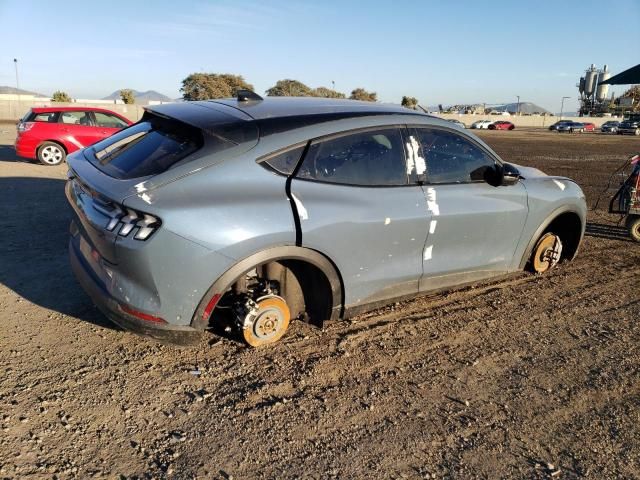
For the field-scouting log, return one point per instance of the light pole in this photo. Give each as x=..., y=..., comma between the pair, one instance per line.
x=562, y=106
x=518, y=106
x=333, y=85
x=15, y=63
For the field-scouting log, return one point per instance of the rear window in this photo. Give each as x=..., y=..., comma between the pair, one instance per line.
x=149, y=147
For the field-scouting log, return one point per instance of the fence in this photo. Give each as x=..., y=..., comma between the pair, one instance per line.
x=13, y=110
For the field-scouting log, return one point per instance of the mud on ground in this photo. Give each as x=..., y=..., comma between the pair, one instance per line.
x=530, y=377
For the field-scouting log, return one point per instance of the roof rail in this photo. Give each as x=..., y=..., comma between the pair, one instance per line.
x=244, y=95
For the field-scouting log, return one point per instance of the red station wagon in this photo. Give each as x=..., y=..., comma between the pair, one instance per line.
x=50, y=133
x=502, y=125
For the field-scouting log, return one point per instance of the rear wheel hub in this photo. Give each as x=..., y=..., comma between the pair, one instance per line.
x=267, y=322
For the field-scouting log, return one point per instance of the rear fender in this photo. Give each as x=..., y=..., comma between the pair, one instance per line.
x=226, y=280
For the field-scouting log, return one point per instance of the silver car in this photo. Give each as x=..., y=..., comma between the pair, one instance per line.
x=251, y=213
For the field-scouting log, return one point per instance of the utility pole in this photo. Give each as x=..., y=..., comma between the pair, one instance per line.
x=518, y=106
x=562, y=106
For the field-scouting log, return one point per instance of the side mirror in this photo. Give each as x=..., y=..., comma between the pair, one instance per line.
x=510, y=175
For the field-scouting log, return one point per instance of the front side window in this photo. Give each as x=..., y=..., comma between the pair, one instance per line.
x=364, y=158
x=76, y=118
x=107, y=120
x=451, y=158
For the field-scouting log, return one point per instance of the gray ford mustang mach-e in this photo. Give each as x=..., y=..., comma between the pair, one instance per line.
x=260, y=211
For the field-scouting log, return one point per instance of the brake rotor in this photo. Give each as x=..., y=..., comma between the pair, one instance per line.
x=547, y=253
x=268, y=321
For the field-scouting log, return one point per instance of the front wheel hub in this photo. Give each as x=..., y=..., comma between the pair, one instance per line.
x=547, y=253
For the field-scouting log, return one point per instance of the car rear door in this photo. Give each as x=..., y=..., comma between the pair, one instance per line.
x=106, y=124
x=77, y=130
x=475, y=226
x=356, y=204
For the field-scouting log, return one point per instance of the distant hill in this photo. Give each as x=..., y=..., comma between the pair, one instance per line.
x=16, y=91
x=141, y=97
x=526, y=108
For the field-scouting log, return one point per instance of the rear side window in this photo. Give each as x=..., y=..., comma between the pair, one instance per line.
x=284, y=162
x=76, y=118
x=365, y=158
x=49, y=117
x=149, y=147
x=451, y=158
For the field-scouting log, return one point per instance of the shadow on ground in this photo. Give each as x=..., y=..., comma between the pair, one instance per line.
x=8, y=154
x=611, y=232
x=34, y=260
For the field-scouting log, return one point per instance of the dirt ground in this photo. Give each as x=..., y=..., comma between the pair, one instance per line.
x=530, y=377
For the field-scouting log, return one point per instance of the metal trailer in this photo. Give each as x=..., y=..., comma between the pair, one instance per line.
x=626, y=201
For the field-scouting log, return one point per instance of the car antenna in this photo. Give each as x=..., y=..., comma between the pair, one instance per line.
x=244, y=95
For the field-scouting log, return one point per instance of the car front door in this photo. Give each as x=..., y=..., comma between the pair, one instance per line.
x=356, y=204
x=77, y=130
x=475, y=225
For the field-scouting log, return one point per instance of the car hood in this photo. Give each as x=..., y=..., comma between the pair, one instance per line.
x=529, y=172
x=533, y=174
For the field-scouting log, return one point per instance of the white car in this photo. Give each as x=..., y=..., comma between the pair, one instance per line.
x=481, y=124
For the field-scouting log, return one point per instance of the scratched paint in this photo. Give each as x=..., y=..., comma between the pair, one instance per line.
x=428, y=252
x=432, y=203
x=146, y=198
x=414, y=160
x=140, y=188
x=302, y=211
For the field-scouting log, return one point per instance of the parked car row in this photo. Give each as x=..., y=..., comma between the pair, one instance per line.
x=612, y=126
x=489, y=125
x=572, y=127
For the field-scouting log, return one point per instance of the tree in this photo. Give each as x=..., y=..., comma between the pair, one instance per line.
x=289, y=88
x=205, y=86
x=362, y=94
x=60, y=96
x=410, y=102
x=127, y=96
x=327, y=93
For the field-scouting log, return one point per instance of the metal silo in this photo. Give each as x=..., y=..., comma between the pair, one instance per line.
x=590, y=80
x=581, y=86
x=603, y=90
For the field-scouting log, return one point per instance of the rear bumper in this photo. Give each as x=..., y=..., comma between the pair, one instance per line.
x=25, y=148
x=166, y=333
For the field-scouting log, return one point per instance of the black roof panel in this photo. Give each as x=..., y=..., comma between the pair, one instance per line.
x=276, y=107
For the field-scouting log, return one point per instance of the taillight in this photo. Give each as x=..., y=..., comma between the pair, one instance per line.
x=124, y=221
x=128, y=220
x=24, y=126
x=141, y=315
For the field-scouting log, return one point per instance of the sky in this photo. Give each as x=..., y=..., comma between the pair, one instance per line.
x=451, y=52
